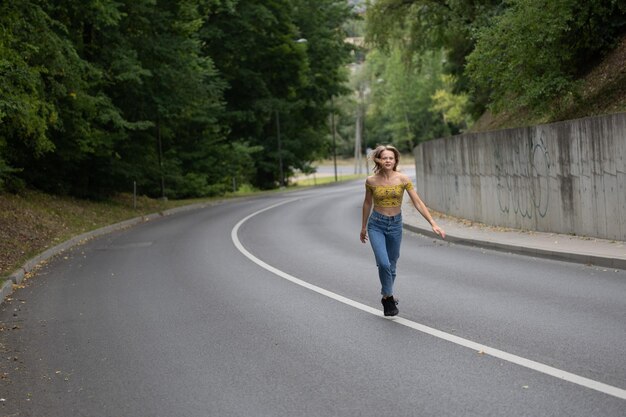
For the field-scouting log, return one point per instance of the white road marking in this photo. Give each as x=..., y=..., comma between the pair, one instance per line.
x=518, y=360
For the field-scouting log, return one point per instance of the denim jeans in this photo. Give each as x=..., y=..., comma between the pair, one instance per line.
x=385, y=235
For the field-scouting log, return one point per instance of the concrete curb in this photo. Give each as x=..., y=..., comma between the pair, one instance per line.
x=6, y=289
x=581, y=258
x=17, y=276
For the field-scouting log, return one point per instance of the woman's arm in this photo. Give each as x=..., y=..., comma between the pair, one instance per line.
x=421, y=207
x=367, y=209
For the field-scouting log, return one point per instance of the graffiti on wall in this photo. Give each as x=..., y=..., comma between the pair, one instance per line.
x=523, y=179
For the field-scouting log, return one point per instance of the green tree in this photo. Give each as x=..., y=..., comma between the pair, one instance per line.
x=402, y=109
x=167, y=93
x=182, y=96
x=452, y=106
x=24, y=110
x=254, y=47
x=418, y=26
x=322, y=24
x=535, y=51
x=277, y=82
x=55, y=118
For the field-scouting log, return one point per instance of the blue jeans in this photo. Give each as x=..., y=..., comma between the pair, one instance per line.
x=385, y=235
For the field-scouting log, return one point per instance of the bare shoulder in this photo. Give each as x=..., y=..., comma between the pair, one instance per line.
x=407, y=183
x=404, y=178
x=371, y=180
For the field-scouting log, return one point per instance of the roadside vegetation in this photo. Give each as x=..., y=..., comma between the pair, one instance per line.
x=502, y=63
x=32, y=221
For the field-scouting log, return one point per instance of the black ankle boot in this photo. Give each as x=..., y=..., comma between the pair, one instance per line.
x=389, y=305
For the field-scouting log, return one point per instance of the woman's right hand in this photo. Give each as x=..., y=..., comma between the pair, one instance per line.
x=363, y=235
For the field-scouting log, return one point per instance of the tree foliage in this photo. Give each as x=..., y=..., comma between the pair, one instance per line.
x=535, y=50
x=179, y=96
x=503, y=54
x=419, y=26
x=402, y=106
x=33, y=78
x=281, y=74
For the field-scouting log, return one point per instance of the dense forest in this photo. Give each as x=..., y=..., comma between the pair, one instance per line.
x=182, y=97
x=191, y=98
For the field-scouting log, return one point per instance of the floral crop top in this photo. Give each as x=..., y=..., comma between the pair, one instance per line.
x=389, y=195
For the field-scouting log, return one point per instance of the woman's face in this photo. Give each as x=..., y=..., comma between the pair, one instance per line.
x=387, y=159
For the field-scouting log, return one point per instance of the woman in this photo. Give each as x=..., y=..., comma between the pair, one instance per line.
x=385, y=190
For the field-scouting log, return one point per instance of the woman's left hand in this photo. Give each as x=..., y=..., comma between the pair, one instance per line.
x=439, y=231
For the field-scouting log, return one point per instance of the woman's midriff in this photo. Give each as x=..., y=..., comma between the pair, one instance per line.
x=387, y=211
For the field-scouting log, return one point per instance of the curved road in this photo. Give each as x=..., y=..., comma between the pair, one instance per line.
x=270, y=307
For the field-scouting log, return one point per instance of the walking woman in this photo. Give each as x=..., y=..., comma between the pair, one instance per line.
x=384, y=190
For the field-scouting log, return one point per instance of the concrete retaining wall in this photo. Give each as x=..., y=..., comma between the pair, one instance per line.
x=567, y=177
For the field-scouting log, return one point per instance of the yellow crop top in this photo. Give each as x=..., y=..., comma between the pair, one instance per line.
x=389, y=195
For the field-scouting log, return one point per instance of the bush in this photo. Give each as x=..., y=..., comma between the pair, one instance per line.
x=534, y=51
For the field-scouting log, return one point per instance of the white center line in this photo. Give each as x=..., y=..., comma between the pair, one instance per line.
x=518, y=360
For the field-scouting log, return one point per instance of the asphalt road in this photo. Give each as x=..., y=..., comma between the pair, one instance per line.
x=271, y=307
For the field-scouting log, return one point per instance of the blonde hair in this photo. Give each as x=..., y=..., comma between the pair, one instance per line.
x=374, y=156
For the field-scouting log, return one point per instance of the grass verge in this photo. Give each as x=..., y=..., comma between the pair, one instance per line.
x=31, y=222
x=314, y=180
